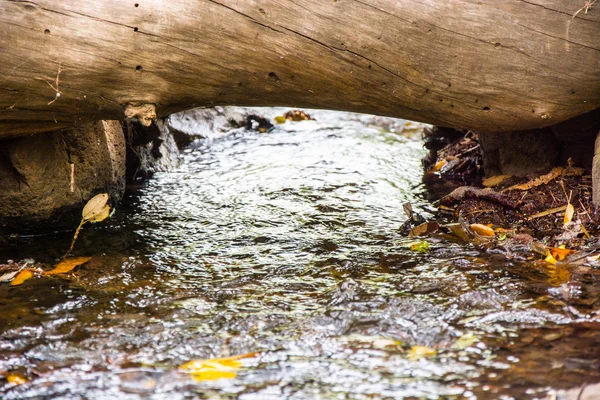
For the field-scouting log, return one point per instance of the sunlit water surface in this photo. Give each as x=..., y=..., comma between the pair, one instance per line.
x=286, y=245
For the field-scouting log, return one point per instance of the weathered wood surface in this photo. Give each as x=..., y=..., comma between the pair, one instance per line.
x=489, y=65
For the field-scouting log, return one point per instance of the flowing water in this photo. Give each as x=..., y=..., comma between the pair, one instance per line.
x=283, y=248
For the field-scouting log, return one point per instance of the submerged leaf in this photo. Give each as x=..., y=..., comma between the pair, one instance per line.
x=67, y=265
x=418, y=352
x=94, y=207
x=22, y=277
x=215, y=368
x=421, y=247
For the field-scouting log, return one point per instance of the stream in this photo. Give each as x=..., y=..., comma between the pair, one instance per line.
x=282, y=249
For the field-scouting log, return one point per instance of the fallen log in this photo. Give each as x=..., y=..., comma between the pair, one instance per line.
x=492, y=66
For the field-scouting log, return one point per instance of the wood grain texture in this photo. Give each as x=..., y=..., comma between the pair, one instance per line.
x=492, y=66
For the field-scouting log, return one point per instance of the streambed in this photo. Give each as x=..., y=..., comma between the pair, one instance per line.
x=283, y=247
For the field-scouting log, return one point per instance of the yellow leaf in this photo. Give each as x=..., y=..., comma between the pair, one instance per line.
x=483, y=230
x=67, y=265
x=418, y=352
x=495, y=180
x=215, y=368
x=94, y=207
x=22, y=277
x=102, y=215
x=550, y=259
x=569, y=213
x=280, y=119
x=16, y=379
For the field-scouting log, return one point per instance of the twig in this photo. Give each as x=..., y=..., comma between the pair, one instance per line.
x=74, y=238
x=586, y=6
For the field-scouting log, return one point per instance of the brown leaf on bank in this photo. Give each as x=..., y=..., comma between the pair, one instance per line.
x=67, y=265
x=495, y=180
x=569, y=212
x=22, y=277
x=540, y=180
x=437, y=167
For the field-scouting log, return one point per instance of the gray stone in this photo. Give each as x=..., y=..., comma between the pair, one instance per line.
x=47, y=178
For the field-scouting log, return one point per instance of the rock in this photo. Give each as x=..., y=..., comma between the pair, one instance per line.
x=150, y=149
x=519, y=153
x=47, y=178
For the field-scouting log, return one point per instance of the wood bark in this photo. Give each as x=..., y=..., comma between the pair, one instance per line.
x=499, y=65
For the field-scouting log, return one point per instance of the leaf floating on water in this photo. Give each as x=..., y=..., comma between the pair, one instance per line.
x=67, y=265
x=419, y=352
x=280, y=119
x=495, y=180
x=94, y=207
x=215, y=368
x=466, y=340
x=22, y=277
x=421, y=247
x=483, y=230
x=424, y=229
x=569, y=212
x=16, y=379
x=102, y=215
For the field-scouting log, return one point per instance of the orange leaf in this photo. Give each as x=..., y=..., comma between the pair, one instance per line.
x=560, y=253
x=67, y=265
x=437, y=166
x=483, y=230
x=16, y=379
x=22, y=277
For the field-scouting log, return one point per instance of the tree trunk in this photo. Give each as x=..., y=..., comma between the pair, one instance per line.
x=500, y=65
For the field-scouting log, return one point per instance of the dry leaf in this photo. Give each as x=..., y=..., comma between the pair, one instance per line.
x=67, y=265
x=22, y=277
x=569, y=213
x=483, y=230
x=495, y=180
x=9, y=275
x=102, y=215
x=95, y=206
x=215, y=368
x=424, y=229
